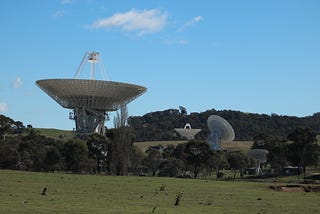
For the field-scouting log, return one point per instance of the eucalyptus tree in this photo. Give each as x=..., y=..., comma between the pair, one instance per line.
x=217, y=162
x=75, y=155
x=197, y=155
x=122, y=143
x=237, y=162
x=152, y=161
x=99, y=150
x=304, y=150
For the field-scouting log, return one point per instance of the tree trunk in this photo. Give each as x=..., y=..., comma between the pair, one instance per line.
x=298, y=171
x=195, y=172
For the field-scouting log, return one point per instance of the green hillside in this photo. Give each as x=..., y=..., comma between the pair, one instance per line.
x=160, y=125
x=55, y=133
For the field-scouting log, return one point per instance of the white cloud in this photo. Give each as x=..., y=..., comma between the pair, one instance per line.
x=3, y=107
x=58, y=14
x=194, y=20
x=191, y=22
x=17, y=83
x=143, y=22
x=182, y=42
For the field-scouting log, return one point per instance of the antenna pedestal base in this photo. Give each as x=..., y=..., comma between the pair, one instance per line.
x=89, y=121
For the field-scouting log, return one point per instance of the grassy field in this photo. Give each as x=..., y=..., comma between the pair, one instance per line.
x=56, y=133
x=20, y=192
x=230, y=146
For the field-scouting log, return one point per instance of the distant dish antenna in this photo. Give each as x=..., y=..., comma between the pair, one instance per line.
x=260, y=155
x=187, y=131
x=220, y=131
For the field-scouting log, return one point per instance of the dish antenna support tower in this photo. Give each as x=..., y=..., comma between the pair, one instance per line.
x=260, y=155
x=90, y=118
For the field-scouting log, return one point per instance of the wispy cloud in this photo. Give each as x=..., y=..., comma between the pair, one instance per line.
x=66, y=1
x=58, y=14
x=143, y=22
x=194, y=21
x=175, y=42
x=3, y=107
x=191, y=22
x=17, y=83
x=216, y=44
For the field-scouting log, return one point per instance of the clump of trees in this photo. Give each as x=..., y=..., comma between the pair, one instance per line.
x=192, y=159
x=115, y=153
x=299, y=149
x=9, y=126
x=34, y=152
x=29, y=150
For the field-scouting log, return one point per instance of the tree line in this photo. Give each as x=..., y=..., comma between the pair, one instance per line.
x=160, y=125
x=29, y=150
x=114, y=153
x=299, y=149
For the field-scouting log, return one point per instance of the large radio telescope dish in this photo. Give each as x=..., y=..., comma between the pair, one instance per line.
x=220, y=131
x=90, y=99
x=95, y=94
x=260, y=155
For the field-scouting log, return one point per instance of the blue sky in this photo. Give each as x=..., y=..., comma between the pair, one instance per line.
x=251, y=56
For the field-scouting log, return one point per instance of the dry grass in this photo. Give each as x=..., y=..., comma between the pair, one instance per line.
x=143, y=146
x=230, y=146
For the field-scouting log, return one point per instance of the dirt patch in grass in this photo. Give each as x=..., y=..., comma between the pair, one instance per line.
x=295, y=188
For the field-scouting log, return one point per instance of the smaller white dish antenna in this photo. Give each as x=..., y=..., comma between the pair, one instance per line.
x=187, y=131
x=260, y=155
x=220, y=131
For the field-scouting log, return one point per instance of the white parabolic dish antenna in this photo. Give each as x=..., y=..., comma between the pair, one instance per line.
x=90, y=99
x=220, y=131
x=260, y=155
x=187, y=131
